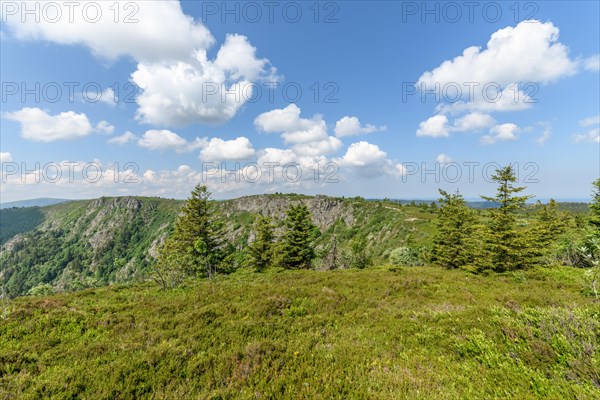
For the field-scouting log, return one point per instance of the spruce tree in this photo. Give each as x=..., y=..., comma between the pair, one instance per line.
x=297, y=249
x=453, y=243
x=551, y=223
x=260, y=252
x=197, y=241
x=508, y=248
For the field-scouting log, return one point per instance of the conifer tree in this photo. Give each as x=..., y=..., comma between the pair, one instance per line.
x=261, y=251
x=453, y=244
x=297, y=249
x=508, y=248
x=551, y=223
x=195, y=247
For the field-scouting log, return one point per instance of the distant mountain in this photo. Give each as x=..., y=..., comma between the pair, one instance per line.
x=85, y=243
x=32, y=203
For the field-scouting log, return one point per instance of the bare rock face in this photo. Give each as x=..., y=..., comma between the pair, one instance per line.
x=325, y=210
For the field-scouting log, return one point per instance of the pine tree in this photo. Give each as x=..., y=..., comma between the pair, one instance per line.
x=195, y=247
x=508, y=247
x=453, y=243
x=297, y=249
x=261, y=251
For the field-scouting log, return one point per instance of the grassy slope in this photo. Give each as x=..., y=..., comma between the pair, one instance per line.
x=416, y=333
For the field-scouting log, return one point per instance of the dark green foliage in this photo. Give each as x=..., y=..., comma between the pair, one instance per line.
x=196, y=246
x=87, y=243
x=454, y=238
x=595, y=208
x=14, y=221
x=297, y=246
x=506, y=246
x=260, y=253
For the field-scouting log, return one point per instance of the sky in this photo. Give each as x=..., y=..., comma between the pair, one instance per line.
x=350, y=98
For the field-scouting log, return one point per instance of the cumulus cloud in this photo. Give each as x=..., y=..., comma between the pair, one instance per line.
x=166, y=140
x=179, y=85
x=125, y=138
x=308, y=136
x=221, y=150
x=39, y=126
x=474, y=121
x=198, y=90
x=350, y=126
x=500, y=77
x=436, y=126
x=5, y=157
x=156, y=31
x=528, y=52
x=368, y=160
x=500, y=133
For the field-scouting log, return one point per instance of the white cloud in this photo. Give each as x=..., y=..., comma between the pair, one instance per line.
x=502, y=76
x=198, y=90
x=350, y=126
x=474, y=121
x=166, y=140
x=5, y=157
x=123, y=139
x=109, y=97
x=500, y=133
x=589, y=121
x=39, y=126
x=178, y=84
x=528, y=52
x=104, y=127
x=368, y=160
x=443, y=159
x=308, y=136
x=161, y=30
x=238, y=57
x=593, y=136
x=436, y=126
x=329, y=145
x=220, y=150
x=592, y=63
x=285, y=120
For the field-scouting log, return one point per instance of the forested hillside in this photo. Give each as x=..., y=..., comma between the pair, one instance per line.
x=92, y=243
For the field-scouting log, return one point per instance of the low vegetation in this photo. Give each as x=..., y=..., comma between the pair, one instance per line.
x=375, y=333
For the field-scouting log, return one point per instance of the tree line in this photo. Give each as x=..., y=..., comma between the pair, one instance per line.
x=494, y=240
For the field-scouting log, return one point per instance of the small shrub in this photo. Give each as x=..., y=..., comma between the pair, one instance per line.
x=409, y=256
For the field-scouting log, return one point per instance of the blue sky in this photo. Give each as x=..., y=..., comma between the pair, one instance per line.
x=359, y=119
